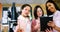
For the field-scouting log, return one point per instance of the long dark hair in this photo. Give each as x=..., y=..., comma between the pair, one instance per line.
x=49, y=12
x=35, y=11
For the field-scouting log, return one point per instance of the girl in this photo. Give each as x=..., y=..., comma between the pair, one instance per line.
x=52, y=8
x=24, y=24
x=38, y=12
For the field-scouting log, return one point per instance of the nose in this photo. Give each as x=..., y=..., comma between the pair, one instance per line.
x=27, y=12
x=48, y=8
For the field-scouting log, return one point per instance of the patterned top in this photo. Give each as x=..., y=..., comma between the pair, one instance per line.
x=35, y=22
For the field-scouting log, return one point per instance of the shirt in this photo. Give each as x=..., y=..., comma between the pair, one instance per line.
x=56, y=19
x=24, y=23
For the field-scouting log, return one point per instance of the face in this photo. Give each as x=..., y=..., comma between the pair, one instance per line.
x=39, y=12
x=26, y=11
x=51, y=7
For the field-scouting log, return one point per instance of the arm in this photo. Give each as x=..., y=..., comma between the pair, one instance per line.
x=34, y=25
x=57, y=28
x=57, y=21
x=18, y=27
x=21, y=25
x=52, y=24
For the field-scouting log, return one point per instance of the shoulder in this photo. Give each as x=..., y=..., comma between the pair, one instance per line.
x=19, y=17
x=58, y=11
x=33, y=20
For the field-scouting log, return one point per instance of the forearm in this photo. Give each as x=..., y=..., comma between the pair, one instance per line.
x=57, y=28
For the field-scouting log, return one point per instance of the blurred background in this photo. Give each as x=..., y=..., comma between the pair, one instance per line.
x=6, y=7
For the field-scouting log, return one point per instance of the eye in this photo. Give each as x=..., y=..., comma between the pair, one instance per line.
x=49, y=5
x=25, y=9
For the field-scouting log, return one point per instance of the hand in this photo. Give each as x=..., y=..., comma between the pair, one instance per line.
x=51, y=23
x=47, y=30
x=19, y=30
x=37, y=26
x=38, y=30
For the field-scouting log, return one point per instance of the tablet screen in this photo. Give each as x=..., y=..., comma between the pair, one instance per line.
x=44, y=21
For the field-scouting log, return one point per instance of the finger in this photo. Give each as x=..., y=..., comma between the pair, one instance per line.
x=50, y=29
x=47, y=29
x=49, y=24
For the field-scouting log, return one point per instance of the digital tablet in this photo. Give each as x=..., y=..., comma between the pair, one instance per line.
x=44, y=21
